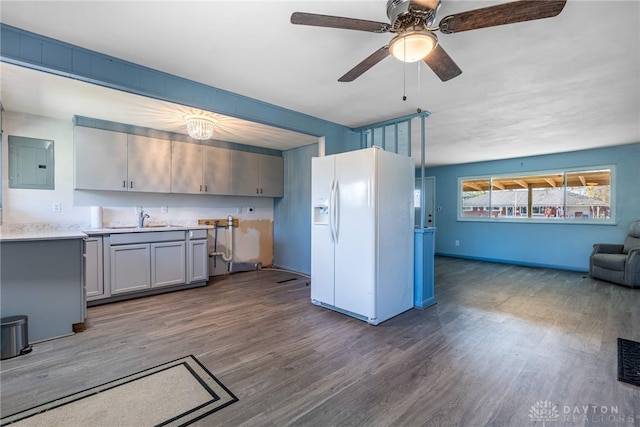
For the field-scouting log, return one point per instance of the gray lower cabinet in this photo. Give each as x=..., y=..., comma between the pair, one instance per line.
x=147, y=265
x=93, y=268
x=198, y=256
x=130, y=268
x=168, y=265
x=144, y=263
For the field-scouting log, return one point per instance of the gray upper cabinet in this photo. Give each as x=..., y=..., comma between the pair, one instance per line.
x=255, y=174
x=149, y=164
x=200, y=169
x=101, y=159
x=116, y=161
x=245, y=173
x=186, y=168
x=216, y=170
x=271, y=176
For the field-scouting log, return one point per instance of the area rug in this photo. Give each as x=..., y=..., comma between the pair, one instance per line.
x=629, y=361
x=176, y=393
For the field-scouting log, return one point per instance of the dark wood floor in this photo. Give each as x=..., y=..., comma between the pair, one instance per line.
x=501, y=339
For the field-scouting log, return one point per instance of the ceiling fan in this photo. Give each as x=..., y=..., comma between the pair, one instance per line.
x=412, y=20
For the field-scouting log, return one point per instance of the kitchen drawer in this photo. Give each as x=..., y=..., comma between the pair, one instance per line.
x=198, y=234
x=146, y=237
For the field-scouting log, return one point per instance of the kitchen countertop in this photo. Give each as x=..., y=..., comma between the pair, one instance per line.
x=27, y=235
x=152, y=228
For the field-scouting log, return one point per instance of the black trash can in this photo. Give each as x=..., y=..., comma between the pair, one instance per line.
x=14, y=337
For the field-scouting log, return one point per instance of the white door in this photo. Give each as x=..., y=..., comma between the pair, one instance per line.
x=322, y=248
x=355, y=247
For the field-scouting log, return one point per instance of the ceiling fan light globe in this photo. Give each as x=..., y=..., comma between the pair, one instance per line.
x=412, y=46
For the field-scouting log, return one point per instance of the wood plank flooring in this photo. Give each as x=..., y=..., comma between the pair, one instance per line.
x=500, y=339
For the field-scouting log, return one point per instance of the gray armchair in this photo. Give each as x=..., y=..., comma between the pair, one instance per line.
x=618, y=263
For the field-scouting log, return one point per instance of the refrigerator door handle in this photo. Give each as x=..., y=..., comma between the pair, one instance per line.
x=331, y=208
x=336, y=212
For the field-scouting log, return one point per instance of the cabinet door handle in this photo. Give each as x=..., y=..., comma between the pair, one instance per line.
x=130, y=184
x=206, y=189
x=261, y=191
x=200, y=187
x=257, y=191
x=124, y=183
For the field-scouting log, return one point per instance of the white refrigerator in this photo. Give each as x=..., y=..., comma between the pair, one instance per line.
x=362, y=233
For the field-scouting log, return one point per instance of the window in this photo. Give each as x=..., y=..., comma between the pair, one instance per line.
x=570, y=195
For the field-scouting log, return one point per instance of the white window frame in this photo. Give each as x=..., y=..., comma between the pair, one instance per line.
x=612, y=220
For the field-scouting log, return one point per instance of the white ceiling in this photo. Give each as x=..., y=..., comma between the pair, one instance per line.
x=555, y=85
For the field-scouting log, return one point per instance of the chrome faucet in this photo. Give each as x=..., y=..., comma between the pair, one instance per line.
x=141, y=219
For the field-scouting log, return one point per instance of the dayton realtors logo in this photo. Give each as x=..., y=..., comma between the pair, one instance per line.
x=546, y=412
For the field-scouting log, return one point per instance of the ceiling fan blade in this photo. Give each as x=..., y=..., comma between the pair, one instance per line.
x=507, y=13
x=315, y=20
x=369, y=62
x=442, y=64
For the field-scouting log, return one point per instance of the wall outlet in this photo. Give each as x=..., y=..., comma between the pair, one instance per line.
x=56, y=207
x=250, y=209
x=164, y=209
x=457, y=242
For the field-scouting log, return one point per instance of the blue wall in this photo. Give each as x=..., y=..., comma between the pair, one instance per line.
x=340, y=140
x=565, y=245
x=292, y=213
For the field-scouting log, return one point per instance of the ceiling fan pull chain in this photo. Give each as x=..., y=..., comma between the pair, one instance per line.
x=419, y=81
x=404, y=82
x=404, y=74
